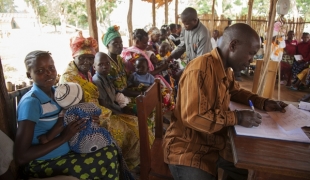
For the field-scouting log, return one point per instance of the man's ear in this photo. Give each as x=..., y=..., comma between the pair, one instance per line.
x=233, y=45
x=28, y=75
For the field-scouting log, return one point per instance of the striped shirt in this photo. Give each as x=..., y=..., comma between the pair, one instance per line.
x=36, y=106
x=197, y=135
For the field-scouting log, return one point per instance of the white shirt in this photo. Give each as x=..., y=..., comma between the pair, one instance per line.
x=214, y=42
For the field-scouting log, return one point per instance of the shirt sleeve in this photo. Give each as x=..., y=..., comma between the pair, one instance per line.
x=130, y=81
x=152, y=79
x=99, y=85
x=204, y=44
x=29, y=109
x=181, y=48
x=197, y=112
x=243, y=96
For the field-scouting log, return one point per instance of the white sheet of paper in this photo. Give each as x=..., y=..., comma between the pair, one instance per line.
x=269, y=128
x=304, y=105
x=298, y=57
x=294, y=118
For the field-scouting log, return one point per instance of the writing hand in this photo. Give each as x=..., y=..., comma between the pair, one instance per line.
x=248, y=118
x=271, y=105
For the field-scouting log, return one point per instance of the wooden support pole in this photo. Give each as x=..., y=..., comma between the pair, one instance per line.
x=250, y=4
x=262, y=77
x=212, y=27
x=166, y=11
x=7, y=122
x=176, y=15
x=154, y=13
x=129, y=22
x=91, y=16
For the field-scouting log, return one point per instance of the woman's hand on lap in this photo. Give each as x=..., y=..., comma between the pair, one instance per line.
x=96, y=119
x=72, y=128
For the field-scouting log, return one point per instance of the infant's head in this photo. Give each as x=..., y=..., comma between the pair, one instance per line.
x=164, y=49
x=68, y=94
x=141, y=66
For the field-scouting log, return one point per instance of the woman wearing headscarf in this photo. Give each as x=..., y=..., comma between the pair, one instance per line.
x=113, y=41
x=124, y=128
x=131, y=54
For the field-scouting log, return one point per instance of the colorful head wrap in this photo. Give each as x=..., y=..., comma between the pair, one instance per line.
x=111, y=34
x=80, y=45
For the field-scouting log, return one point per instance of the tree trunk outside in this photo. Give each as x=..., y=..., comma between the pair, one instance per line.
x=129, y=22
x=91, y=16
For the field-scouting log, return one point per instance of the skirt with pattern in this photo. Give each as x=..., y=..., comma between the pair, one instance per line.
x=102, y=164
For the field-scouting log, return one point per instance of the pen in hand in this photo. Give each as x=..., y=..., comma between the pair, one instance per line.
x=251, y=105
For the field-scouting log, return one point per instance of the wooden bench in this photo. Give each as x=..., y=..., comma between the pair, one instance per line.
x=152, y=165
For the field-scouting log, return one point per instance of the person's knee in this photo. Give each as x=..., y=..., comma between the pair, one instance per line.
x=232, y=171
x=180, y=172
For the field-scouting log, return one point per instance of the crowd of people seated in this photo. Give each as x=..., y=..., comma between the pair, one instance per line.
x=120, y=75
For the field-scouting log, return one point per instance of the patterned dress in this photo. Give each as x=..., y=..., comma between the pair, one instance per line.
x=118, y=74
x=123, y=128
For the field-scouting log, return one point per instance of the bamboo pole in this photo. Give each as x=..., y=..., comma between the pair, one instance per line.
x=91, y=17
x=272, y=12
x=176, y=15
x=129, y=22
x=154, y=13
x=166, y=11
x=250, y=3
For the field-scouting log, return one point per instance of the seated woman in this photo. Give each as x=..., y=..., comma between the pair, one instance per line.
x=37, y=113
x=113, y=41
x=302, y=78
x=124, y=128
x=131, y=54
x=153, y=43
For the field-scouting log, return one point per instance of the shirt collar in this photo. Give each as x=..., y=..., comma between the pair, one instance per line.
x=198, y=26
x=221, y=74
x=43, y=98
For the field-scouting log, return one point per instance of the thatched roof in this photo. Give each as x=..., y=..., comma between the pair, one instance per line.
x=158, y=3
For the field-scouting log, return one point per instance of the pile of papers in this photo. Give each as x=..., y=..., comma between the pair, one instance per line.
x=277, y=125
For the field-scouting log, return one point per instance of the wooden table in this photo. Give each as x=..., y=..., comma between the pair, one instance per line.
x=271, y=159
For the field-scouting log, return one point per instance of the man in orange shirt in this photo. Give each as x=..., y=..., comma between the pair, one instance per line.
x=196, y=142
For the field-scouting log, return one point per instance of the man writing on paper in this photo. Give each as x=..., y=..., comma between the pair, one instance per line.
x=196, y=142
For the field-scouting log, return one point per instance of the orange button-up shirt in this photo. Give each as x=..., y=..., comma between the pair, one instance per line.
x=197, y=134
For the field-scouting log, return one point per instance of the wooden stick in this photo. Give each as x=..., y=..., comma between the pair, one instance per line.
x=271, y=21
